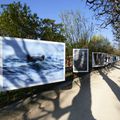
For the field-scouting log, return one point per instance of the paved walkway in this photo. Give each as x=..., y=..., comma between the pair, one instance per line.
x=95, y=97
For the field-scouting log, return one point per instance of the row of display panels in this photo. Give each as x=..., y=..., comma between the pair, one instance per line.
x=25, y=62
x=99, y=59
x=102, y=59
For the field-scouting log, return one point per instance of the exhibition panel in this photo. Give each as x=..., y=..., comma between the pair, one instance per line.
x=80, y=60
x=27, y=62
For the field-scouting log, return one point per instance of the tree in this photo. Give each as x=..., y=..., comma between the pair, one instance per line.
x=98, y=43
x=16, y=20
x=109, y=12
x=76, y=30
x=49, y=30
x=75, y=26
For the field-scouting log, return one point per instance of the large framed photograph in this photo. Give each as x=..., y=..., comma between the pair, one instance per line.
x=27, y=62
x=99, y=59
x=80, y=60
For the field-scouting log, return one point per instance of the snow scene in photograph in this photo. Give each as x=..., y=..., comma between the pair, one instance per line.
x=31, y=62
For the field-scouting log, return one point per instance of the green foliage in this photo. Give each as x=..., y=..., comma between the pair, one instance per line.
x=51, y=31
x=16, y=20
x=100, y=44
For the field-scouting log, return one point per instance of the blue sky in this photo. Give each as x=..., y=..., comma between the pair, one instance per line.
x=52, y=9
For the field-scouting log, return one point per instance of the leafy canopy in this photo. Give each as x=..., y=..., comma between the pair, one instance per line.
x=17, y=20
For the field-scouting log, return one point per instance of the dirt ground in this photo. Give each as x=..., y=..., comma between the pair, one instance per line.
x=95, y=97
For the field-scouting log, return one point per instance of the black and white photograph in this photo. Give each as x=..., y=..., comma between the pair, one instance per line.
x=28, y=62
x=99, y=59
x=80, y=60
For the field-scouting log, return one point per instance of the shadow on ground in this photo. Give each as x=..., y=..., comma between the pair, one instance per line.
x=114, y=87
x=80, y=109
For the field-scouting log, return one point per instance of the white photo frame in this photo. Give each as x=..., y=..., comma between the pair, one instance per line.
x=99, y=59
x=80, y=64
